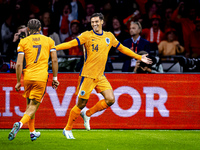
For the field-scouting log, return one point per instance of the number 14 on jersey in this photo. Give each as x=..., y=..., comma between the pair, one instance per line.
x=95, y=47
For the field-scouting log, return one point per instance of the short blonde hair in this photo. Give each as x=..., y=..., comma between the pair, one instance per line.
x=137, y=23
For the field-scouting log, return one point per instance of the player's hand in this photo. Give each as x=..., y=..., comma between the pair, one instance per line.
x=145, y=59
x=17, y=86
x=55, y=84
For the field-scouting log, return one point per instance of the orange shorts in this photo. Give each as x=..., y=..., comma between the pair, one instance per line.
x=34, y=90
x=86, y=85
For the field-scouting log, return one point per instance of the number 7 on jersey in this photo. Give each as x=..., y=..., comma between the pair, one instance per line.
x=38, y=53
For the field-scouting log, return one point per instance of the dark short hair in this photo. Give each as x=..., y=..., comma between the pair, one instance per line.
x=34, y=25
x=100, y=15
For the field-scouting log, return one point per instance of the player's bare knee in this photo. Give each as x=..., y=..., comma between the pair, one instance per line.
x=81, y=106
x=32, y=108
x=81, y=103
x=110, y=101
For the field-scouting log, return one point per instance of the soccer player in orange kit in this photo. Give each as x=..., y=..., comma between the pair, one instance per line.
x=97, y=45
x=36, y=49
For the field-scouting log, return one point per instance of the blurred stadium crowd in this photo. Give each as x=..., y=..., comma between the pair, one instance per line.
x=172, y=28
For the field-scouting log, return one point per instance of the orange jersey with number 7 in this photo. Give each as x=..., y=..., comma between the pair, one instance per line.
x=36, y=49
x=97, y=47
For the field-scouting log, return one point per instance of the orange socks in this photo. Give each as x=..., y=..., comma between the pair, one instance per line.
x=31, y=125
x=100, y=105
x=25, y=119
x=74, y=113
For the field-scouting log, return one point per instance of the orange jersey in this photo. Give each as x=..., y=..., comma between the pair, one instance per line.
x=36, y=49
x=97, y=47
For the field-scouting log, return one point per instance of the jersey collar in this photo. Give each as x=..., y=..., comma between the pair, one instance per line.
x=98, y=33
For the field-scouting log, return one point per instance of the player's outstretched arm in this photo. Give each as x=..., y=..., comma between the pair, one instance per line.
x=67, y=45
x=130, y=53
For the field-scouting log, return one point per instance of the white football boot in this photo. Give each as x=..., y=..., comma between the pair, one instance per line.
x=34, y=136
x=86, y=120
x=68, y=134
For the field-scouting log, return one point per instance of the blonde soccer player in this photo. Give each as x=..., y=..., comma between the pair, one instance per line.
x=36, y=49
x=97, y=45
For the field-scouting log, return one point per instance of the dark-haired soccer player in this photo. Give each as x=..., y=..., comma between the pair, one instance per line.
x=97, y=44
x=36, y=49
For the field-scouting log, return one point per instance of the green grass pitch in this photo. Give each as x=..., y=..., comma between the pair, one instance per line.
x=104, y=140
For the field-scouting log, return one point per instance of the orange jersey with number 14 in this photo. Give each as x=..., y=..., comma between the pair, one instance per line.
x=97, y=47
x=36, y=49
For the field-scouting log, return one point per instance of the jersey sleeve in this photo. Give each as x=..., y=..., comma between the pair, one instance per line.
x=115, y=42
x=67, y=45
x=52, y=45
x=81, y=39
x=128, y=52
x=20, y=48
